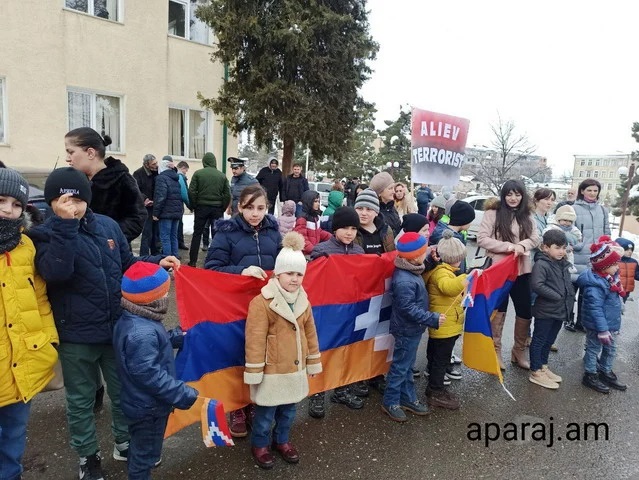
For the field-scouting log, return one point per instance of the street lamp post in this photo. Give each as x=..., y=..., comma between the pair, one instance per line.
x=626, y=193
x=391, y=165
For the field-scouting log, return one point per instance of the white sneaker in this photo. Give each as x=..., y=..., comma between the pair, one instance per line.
x=121, y=451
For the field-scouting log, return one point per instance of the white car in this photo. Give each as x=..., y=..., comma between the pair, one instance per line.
x=477, y=202
x=323, y=188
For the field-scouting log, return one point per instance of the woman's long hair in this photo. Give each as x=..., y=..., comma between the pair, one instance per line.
x=505, y=214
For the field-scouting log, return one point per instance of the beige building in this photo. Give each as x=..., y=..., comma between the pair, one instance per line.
x=604, y=169
x=117, y=66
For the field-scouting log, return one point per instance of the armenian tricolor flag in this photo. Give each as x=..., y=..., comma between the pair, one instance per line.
x=351, y=308
x=487, y=291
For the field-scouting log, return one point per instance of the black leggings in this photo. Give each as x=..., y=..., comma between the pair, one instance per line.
x=520, y=294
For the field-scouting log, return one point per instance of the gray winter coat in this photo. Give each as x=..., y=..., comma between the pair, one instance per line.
x=550, y=281
x=592, y=220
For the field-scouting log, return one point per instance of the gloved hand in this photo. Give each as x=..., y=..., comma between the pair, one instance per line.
x=254, y=271
x=605, y=337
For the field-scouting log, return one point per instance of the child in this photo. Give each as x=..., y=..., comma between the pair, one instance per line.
x=81, y=256
x=445, y=286
x=278, y=357
x=27, y=331
x=436, y=212
x=564, y=220
x=144, y=355
x=601, y=316
x=286, y=220
x=555, y=296
x=409, y=319
x=628, y=267
x=373, y=235
x=308, y=224
x=345, y=225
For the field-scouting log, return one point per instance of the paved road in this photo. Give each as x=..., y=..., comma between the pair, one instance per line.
x=366, y=444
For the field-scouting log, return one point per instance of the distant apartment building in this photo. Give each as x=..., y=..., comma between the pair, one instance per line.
x=129, y=69
x=604, y=169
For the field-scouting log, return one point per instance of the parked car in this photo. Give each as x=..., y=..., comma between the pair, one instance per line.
x=36, y=178
x=324, y=188
x=477, y=202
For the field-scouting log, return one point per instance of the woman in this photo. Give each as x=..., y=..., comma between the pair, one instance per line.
x=246, y=244
x=543, y=198
x=592, y=221
x=384, y=186
x=508, y=227
x=115, y=192
x=404, y=201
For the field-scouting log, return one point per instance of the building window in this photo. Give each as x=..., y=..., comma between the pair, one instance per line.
x=597, y=162
x=98, y=8
x=610, y=186
x=590, y=163
x=3, y=112
x=582, y=162
x=103, y=113
x=581, y=174
x=595, y=174
x=183, y=22
x=188, y=131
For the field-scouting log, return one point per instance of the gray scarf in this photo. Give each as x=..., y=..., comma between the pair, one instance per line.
x=154, y=310
x=10, y=233
x=404, y=264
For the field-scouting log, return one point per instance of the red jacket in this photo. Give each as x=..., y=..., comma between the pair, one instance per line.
x=628, y=273
x=312, y=233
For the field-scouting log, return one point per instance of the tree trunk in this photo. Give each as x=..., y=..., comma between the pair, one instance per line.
x=287, y=157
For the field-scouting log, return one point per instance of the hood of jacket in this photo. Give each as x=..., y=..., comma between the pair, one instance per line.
x=288, y=207
x=109, y=176
x=172, y=174
x=308, y=198
x=237, y=224
x=208, y=160
x=335, y=199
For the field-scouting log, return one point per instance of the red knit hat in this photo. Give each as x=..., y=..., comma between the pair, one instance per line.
x=144, y=283
x=411, y=245
x=603, y=256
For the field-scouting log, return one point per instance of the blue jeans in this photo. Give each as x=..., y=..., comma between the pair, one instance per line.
x=545, y=334
x=145, y=446
x=169, y=235
x=13, y=438
x=149, y=239
x=400, y=386
x=598, y=356
x=282, y=415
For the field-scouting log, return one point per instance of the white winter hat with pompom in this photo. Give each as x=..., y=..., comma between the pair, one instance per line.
x=291, y=258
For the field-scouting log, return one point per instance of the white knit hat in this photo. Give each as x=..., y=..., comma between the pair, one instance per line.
x=565, y=212
x=291, y=258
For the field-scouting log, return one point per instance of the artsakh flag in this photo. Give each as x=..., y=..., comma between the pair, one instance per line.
x=488, y=291
x=351, y=308
x=215, y=429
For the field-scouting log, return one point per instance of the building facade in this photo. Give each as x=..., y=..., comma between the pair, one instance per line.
x=604, y=169
x=129, y=69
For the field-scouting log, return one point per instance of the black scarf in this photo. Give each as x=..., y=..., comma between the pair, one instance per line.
x=10, y=233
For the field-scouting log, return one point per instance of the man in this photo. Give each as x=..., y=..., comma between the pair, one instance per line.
x=239, y=181
x=571, y=196
x=271, y=179
x=209, y=195
x=350, y=191
x=145, y=177
x=294, y=186
x=183, y=169
x=424, y=197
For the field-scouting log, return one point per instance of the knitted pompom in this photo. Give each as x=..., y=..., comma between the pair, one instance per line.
x=604, y=239
x=293, y=240
x=447, y=234
x=595, y=247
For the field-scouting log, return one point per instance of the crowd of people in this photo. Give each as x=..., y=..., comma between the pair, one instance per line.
x=73, y=292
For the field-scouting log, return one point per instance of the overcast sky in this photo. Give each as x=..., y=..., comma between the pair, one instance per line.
x=565, y=71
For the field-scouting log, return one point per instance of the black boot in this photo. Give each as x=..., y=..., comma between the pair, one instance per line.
x=316, y=405
x=591, y=380
x=344, y=396
x=378, y=383
x=611, y=380
x=359, y=389
x=99, y=399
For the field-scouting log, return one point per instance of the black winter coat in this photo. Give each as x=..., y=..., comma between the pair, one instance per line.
x=167, y=202
x=116, y=195
x=294, y=188
x=390, y=216
x=550, y=282
x=271, y=180
x=146, y=182
x=82, y=262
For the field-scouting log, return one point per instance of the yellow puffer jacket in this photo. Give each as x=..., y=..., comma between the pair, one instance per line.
x=27, y=330
x=443, y=289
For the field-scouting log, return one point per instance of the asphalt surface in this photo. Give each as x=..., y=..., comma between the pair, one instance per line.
x=362, y=444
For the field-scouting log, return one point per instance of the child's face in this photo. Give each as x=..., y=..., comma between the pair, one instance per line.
x=366, y=216
x=10, y=207
x=255, y=212
x=555, y=252
x=612, y=269
x=627, y=253
x=316, y=204
x=419, y=260
x=69, y=207
x=565, y=223
x=346, y=235
x=290, y=281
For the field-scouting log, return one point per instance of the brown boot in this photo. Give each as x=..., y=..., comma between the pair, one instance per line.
x=519, y=348
x=497, y=327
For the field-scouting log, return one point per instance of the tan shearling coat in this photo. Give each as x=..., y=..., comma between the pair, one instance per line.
x=281, y=348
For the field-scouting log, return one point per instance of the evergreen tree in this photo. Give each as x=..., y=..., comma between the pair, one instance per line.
x=295, y=68
x=396, y=139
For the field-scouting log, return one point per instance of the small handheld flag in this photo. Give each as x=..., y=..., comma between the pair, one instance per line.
x=469, y=299
x=215, y=429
